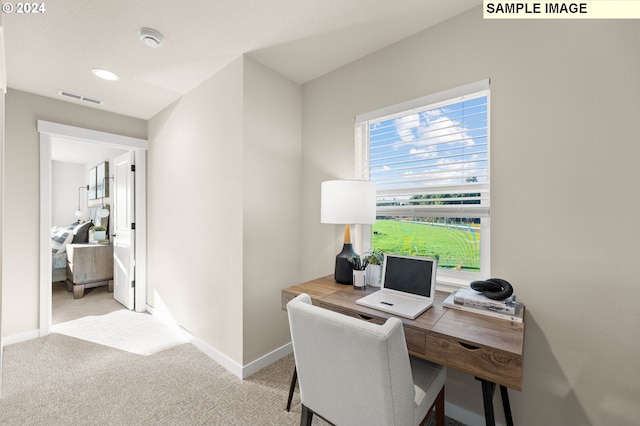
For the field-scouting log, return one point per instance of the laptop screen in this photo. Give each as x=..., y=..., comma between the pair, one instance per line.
x=409, y=274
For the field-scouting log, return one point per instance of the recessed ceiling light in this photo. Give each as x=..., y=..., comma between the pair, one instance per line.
x=150, y=37
x=105, y=74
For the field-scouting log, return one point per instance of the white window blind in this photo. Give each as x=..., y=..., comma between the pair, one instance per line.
x=431, y=160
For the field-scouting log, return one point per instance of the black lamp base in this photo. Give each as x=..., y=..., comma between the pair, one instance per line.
x=344, y=272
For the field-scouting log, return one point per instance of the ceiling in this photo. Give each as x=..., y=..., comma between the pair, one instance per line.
x=301, y=39
x=71, y=151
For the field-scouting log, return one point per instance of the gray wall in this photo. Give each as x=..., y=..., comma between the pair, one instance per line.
x=564, y=165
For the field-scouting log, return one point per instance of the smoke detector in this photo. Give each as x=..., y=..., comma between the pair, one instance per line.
x=150, y=37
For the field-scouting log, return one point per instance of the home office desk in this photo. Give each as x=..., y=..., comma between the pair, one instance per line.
x=489, y=349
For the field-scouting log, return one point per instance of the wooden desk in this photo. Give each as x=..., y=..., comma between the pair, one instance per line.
x=490, y=349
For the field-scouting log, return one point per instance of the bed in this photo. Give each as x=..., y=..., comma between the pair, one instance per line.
x=76, y=233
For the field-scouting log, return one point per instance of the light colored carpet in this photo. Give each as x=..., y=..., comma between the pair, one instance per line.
x=129, y=331
x=61, y=380
x=96, y=301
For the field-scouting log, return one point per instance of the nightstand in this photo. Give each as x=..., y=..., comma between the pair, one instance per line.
x=89, y=265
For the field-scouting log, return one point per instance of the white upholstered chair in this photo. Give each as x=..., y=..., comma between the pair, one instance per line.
x=352, y=372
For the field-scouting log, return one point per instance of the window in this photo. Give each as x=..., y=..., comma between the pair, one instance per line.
x=430, y=161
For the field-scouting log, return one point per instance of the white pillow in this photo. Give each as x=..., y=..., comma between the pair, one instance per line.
x=59, y=239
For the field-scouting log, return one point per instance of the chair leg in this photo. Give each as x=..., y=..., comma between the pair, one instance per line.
x=440, y=408
x=438, y=405
x=292, y=388
x=306, y=416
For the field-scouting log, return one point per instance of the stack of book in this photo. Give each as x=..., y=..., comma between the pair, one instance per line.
x=467, y=299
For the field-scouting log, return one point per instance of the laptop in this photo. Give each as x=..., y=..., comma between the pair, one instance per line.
x=408, y=286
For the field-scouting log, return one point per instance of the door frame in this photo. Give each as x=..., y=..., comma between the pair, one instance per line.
x=48, y=131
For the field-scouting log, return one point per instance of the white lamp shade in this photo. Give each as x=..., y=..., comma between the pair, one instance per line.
x=348, y=202
x=102, y=212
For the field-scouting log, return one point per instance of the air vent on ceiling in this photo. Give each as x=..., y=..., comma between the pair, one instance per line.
x=79, y=97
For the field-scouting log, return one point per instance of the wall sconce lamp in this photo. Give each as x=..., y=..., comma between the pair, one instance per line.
x=347, y=202
x=103, y=212
x=79, y=212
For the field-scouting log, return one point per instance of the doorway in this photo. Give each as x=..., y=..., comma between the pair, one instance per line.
x=50, y=131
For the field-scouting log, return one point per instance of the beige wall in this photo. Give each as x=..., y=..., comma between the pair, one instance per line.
x=20, y=285
x=271, y=210
x=565, y=101
x=223, y=197
x=194, y=205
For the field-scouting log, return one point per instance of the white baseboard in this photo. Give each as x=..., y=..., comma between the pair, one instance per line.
x=232, y=366
x=266, y=360
x=162, y=313
x=240, y=371
x=19, y=338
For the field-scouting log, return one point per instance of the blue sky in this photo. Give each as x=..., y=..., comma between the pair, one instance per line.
x=444, y=145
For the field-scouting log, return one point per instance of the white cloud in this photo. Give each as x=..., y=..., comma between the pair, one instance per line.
x=430, y=128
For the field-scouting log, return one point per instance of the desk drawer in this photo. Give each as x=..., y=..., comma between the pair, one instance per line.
x=416, y=340
x=354, y=314
x=497, y=367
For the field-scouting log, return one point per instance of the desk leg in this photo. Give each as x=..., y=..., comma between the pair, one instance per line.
x=506, y=405
x=487, y=398
x=488, y=388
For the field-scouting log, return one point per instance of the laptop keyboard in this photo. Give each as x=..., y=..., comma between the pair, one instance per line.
x=397, y=299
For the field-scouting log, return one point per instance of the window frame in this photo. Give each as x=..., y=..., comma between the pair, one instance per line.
x=445, y=277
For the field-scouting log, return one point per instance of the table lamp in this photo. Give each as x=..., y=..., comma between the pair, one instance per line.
x=347, y=202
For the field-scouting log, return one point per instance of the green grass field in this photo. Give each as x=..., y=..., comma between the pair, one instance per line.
x=455, y=248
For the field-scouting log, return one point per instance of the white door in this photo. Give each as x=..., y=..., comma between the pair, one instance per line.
x=123, y=230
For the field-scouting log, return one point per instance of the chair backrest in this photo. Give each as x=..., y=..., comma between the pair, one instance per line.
x=351, y=372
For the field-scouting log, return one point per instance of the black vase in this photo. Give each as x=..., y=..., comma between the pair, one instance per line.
x=344, y=272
